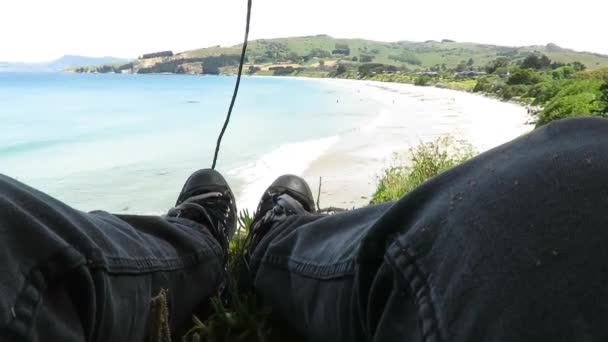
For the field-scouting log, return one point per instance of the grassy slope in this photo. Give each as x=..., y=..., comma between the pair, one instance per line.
x=429, y=53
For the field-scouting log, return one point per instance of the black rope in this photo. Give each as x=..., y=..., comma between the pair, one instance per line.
x=236, y=87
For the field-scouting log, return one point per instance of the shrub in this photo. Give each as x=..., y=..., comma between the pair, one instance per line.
x=488, y=84
x=518, y=90
x=427, y=160
x=524, y=76
x=544, y=91
x=563, y=73
x=422, y=81
x=576, y=98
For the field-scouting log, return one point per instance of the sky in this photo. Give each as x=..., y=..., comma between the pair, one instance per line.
x=43, y=30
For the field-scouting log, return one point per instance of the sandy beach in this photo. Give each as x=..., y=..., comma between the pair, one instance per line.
x=407, y=115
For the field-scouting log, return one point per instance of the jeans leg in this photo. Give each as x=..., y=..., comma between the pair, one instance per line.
x=305, y=268
x=66, y=275
x=509, y=246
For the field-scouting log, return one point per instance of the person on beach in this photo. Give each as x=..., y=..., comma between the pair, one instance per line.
x=509, y=246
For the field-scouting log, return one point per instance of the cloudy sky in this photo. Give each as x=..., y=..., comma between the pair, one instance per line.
x=40, y=30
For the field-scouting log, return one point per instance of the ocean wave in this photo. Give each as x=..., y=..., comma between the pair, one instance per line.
x=383, y=118
x=30, y=146
x=293, y=158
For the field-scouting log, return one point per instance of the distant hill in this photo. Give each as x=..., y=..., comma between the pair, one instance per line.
x=63, y=63
x=325, y=51
x=72, y=61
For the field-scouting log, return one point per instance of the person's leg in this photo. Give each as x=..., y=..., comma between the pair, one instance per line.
x=74, y=276
x=509, y=246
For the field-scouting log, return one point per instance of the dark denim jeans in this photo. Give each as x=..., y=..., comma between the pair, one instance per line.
x=69, y=276
x=510, y=246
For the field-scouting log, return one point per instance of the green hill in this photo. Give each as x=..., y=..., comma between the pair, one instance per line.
x=323, y=52
x=415, y=55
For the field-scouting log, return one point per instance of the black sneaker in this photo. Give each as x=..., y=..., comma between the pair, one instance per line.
x=206, y=198
x=286, y=196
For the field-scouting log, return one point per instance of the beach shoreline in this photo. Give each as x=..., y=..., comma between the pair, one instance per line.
x=407, y=115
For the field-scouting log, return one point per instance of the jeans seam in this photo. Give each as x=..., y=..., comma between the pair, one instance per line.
x=403, y=259
x=28, y=299
x=120, y=265
x=327, y=271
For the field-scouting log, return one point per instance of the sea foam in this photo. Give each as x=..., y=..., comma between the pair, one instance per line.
x=293, y=158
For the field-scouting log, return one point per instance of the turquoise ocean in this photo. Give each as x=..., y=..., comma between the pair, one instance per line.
x=126, y=143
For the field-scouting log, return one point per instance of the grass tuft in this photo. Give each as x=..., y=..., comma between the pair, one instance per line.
x=427, y=160
x=238, y=316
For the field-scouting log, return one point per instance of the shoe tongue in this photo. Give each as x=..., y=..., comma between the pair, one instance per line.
x=195, y=192
x=288, y=202
x=204, y=196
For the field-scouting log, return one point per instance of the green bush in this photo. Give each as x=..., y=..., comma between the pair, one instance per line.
x=375, y=68
x=427, y=160
x=524, y=76
x=536, y=62
x=543, y=92
x=604, y=98
x=598, y=74
x=517, y=90
x=488, y=84
x=563, y=73
x=576, y=98
x=493, y=66
x=422, y=81
x=583, y=104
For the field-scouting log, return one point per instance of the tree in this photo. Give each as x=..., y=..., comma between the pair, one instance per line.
x=341, y=49
x=294, y=57
x=355, y=59
x=496, y=64
x=556, y=65
x=536, y=62
x=563, y=73
x=375, y=68
x=462, y=66
x=341, y=69
x=578, y=66
x=471, y=62
x=524, y=76
x=320, y=53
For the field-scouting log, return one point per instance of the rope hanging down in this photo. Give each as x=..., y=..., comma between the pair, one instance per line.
x=236, y=87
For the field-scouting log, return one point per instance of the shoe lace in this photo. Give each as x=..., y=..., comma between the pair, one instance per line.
x=282, y=206
x=214, y=207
